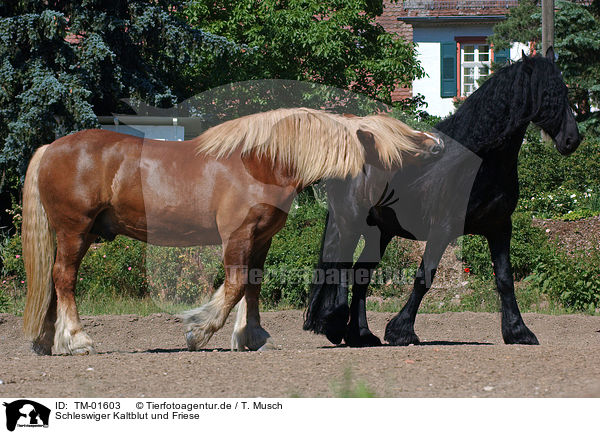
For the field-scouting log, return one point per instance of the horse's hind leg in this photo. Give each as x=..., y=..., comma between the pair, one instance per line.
x=69, y=336
x=328, y=311
x=514, y=330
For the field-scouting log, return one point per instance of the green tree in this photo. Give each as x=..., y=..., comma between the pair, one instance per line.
x=577, y=43
x=331, y=42
x=64, y=62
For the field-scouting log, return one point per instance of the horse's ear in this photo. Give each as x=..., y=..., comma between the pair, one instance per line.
x=550, y=54
x=527, y=62
x=367, y=139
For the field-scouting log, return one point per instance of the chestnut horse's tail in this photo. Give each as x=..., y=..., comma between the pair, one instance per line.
x=39, y=247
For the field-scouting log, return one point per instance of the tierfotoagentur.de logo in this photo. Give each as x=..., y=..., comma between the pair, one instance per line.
x=24, y=413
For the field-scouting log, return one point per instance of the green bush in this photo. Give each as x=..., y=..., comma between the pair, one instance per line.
x=396, y=269
x=553, y=185
x=4, y=300
x=294, y=253
x=184, y=275
x=528, y=245
x=559, y=203
x=12, y=259
x=574, y=281
x=114, y=268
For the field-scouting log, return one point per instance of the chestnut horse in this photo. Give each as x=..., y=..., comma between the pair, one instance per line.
x=233, y=185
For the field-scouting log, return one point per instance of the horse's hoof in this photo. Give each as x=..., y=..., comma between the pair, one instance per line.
x=335, y=336
x=190, y=339
x=520, y=335
x=399, y=332
x=83, y=351
x=362, y=339
x=40, y=349
x=403, y=340
x=332, y=324
x=268, y=346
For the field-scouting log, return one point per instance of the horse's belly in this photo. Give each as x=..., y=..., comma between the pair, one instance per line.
x=179, y=228
x=184, y=238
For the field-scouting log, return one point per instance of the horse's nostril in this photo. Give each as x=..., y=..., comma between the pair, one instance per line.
x=437, y=149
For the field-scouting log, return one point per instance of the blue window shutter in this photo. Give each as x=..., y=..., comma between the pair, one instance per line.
x=448, y=72
x=501, y=56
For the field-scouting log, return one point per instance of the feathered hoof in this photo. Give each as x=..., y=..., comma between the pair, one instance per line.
x=364, y=338
x=41, y=348
x=252, y=338
x=400, y=332
x=332, y=324
x=79, y=344
x=519, y=335
x=197, y=338
x=402, y=340
x=83, y=351
x=268, y=346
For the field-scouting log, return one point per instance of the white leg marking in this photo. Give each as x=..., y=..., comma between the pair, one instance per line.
x=238, y=337
x=69, y=337
x=248, y=333
x=201, y=323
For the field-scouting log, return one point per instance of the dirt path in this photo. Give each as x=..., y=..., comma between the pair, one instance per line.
x=464, y=356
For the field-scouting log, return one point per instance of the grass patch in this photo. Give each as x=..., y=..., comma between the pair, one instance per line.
x=349, y=387
x=479, y=295
x=123, y=305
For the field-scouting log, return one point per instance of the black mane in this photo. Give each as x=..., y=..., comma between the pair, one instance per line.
x=504, y=104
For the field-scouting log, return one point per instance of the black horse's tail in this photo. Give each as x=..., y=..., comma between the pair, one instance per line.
x=327, y=312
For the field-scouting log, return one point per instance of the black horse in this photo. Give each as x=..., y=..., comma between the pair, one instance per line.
x=472, y=189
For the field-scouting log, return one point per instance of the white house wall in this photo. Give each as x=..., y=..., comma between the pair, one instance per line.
x=428, y=41
x=428, y=54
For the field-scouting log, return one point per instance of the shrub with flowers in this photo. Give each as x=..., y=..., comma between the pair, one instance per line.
x=561, y=203
x=114, y=268
x=183, y=275
x=12, y=260
x=552, y=185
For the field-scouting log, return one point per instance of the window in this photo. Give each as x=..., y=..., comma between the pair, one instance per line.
x=475, y=64
x=464, y=61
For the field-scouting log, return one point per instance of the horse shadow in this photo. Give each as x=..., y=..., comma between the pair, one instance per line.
x=421, y=344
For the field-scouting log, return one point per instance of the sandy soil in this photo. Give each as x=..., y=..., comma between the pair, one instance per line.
x=462, y=356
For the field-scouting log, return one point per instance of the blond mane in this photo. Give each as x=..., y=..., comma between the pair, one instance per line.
x=393, y=138
x=315, y=144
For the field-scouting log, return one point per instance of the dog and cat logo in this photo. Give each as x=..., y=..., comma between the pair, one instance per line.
x=25, y=413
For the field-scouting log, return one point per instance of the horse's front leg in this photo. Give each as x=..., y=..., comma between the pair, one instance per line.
x=514, y=330
x=248, y=332
x=203, y=322
x=358, y=333
x=244, y=254
x=401, y=329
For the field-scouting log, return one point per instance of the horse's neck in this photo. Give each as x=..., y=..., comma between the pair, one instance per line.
x=485, y=129
x=487, y=139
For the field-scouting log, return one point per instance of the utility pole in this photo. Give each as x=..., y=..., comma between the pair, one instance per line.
x=547, y=39
x=547, y=25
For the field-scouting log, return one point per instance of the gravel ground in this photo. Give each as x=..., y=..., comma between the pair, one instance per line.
x=462, y=356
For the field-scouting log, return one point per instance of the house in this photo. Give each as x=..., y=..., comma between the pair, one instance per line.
x=451, y=43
